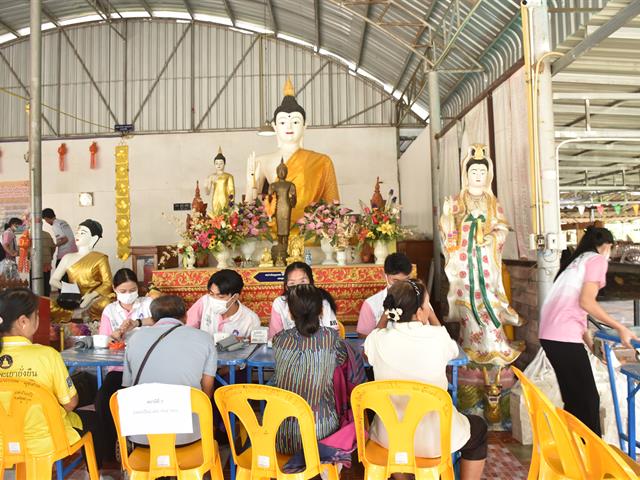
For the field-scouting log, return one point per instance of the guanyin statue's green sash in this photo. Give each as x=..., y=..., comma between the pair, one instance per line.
x=472, y=285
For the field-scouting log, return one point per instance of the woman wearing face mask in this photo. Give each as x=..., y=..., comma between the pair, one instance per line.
x=299, y=273
x=9, y=249
x=128, y=312
x=220, y=311
x=563, y=324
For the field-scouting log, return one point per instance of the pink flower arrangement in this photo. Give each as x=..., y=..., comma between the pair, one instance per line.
x=328, y=221
x=253, y=221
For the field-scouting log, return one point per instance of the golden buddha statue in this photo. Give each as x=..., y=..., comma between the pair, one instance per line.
x=311, y=172
x=87, y=269
x=220, y=185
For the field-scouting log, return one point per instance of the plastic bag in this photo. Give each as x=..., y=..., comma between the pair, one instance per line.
x=9, y=269
x=543, y=376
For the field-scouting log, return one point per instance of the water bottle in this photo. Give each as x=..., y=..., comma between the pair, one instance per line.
x=307, y=256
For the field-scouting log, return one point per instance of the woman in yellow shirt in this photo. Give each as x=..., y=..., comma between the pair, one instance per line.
x=22, y=360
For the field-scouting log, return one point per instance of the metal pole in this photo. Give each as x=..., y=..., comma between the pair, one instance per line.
x=435, y=125
x=549, y=255
x=35, y=149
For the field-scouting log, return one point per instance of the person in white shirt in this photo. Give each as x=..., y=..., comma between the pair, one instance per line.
x=410, y=344
x=397, y=266
x=119, y=319
x=220, y=311
x=65, y=239
x=299, y=273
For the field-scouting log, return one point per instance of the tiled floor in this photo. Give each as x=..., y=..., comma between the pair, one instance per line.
x=507, y=460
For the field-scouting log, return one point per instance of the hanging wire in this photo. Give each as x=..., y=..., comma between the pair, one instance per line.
x=75, y=117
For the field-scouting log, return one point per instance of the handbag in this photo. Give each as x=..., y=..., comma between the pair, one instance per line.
x=69, y=301
x=229, y=344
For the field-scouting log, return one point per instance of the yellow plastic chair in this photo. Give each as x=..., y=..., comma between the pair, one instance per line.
x=341, y=330
x=554, y=455
x=260, y=460
x=23, y=396
x=600, y=460
x=379, y=462
x=189, y=462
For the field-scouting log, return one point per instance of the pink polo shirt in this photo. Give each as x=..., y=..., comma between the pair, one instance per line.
x=561, y=318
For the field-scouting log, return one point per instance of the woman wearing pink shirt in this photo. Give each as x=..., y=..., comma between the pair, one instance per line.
x=563, y=324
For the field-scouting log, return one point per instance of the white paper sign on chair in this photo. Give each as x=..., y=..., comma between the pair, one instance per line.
x=155, y=408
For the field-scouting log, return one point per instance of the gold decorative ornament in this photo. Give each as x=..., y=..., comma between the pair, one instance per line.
x=123, y=203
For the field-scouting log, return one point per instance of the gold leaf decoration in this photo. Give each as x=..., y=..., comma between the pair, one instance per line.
x=123, y=204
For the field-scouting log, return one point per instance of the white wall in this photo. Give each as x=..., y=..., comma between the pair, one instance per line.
x=415, y=185
x=164, y=170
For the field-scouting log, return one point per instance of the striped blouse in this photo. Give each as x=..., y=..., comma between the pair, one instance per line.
x=305, y=365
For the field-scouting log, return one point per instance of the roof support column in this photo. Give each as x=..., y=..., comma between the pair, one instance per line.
x=435, y=125
x=546, y=171
x=35, y=149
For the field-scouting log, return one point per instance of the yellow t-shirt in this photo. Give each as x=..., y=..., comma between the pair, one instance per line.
x=22, y=360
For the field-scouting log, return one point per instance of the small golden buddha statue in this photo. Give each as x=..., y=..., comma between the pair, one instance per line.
x=265, y=259
x=220, y=185
x=296, y=249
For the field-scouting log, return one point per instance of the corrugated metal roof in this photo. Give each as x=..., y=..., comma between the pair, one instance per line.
x=491, y=37
x=596, y=170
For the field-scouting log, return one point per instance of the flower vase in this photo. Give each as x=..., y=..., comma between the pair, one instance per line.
x=223, y=257
x=341, y=256
x=328, y=250
x=380, y=251
x=202, y=259
x=189, y=260
x=248, y=248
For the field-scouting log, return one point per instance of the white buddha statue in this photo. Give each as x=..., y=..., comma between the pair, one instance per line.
x=311, y=172
x=86, y=268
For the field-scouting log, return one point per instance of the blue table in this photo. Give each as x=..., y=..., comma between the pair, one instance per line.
x=263, y=358
x=610, y=338
x=97, y=358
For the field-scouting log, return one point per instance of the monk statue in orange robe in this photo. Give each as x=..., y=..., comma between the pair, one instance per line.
x=311, y=172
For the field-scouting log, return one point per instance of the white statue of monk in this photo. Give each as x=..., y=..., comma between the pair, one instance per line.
x=88, y=269
x=311, y=172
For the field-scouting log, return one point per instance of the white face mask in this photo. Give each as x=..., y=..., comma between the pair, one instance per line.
x=127, y=298
x=218, y=306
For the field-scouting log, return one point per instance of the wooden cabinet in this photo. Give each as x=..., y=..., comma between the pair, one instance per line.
x=144, y=260
x=420, y=252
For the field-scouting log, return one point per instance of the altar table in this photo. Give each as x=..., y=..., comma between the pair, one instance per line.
x=349, y=285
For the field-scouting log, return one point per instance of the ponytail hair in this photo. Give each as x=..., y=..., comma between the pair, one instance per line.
x=403, y=300
x=14, y=303
x=305, y=305
x=593, y=238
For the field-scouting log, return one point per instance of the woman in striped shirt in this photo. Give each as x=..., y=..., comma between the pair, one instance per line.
x=306, y=358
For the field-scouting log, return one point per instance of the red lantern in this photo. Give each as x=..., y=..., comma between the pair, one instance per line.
x=62, y=152
x=93, y=149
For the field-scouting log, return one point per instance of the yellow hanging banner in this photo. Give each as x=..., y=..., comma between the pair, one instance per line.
x=123, y=204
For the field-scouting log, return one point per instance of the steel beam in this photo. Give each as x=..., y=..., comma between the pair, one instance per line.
x=597, y=110
x=602, y=147
x=316, y=17
x=162, y=70
x=435, y=125
x=596, y=96
x=230, y=14
x=147, y=7
x=105, y=16
x=187, y=6
x=313, y=75
x=597, y=79
x=227, y=81
x=9, y=28
x=364, y=110
x=603, y=32
x=272, y=14
x=586, y=160
x=363, y=37
x=596, y=133
x=596, y=188
x=24, y=89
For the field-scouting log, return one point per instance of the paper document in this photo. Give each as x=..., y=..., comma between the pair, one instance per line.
x=69, y=288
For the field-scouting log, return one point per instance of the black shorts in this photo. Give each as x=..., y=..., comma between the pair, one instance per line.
x=476, y=446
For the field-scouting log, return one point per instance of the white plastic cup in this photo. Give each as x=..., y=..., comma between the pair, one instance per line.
x=100, y=341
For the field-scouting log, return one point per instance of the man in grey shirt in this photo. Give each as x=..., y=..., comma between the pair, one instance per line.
x=185, y=356
x=65, y=239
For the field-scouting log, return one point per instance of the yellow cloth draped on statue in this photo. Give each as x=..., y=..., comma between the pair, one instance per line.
x=92, y=274
x=314, y=177
x=223, y=187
